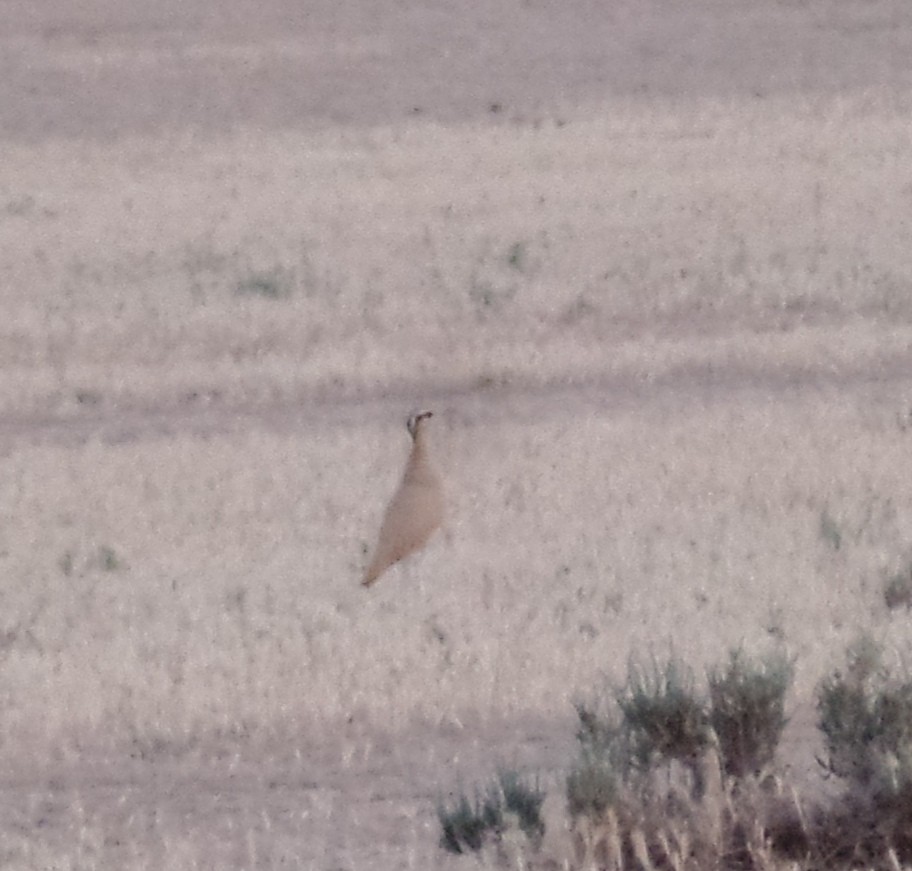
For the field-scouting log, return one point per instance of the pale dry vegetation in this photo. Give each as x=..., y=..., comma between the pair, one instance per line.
x=709, y=235
x=667, y=344
x=234, y=559
x=230, y=623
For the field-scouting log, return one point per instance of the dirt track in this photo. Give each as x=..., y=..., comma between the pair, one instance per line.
x=118, y=69
x=701, y=384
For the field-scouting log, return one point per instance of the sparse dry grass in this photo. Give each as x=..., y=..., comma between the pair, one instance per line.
x=707, y=234
x=573, y=540
x=668, y=344
x=234, y=616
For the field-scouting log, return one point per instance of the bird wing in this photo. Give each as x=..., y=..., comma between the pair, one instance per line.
x=413, y=515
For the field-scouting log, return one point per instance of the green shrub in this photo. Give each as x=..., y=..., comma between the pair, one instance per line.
x=747, y=703
x=592, y=787
x=594, y=783
x=629, y=810
x=663, y=715
x=866, y=719
x=525, y=801
x=598, y=733
x=467, y=826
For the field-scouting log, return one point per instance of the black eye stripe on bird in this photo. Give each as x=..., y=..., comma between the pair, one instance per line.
x=416, y=510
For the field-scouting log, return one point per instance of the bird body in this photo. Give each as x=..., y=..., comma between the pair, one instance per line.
x=415, y=511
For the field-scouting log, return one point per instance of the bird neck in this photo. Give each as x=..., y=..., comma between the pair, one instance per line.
x=419, y=467
x=419, y=450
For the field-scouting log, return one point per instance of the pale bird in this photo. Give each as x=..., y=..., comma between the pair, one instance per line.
x=416, y=509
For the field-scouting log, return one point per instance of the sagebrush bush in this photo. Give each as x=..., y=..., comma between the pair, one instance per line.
x=598, y=732
x=464, y=826
x=630, y=808
x=593, y=786
x=525, y=801
x=866, y=719
x=664, y=717
x=594, y=783
x=747, y=710
x=468, y=825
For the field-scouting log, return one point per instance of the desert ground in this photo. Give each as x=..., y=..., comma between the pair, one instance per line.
x=650, y=265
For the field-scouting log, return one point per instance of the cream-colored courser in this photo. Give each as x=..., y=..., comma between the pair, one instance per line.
x=416, y=510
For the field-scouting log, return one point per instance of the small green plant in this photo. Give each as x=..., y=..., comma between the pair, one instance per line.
x=490, y=296
x=747, y=704
x=898, y=589
x=66, y=563
x=516, y=256
x=88, y=397
x=108, y=560
x=467, y=825
x=829, y=530
x=274, y=283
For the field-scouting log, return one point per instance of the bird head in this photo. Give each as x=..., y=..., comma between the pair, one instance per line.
x=414, y=421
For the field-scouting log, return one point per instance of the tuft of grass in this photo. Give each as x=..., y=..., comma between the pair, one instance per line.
x=489, y=296
x=467, y=826
x=829, y=530
x=108, y=560
x=276, y=283
x=898, y=590
x=747, y=710
x=516, y=256
x=525, y=801
x=66, y=564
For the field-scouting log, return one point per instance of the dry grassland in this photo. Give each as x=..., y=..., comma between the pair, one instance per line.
x=668, y=345
x=702, y=234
